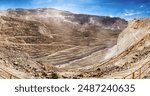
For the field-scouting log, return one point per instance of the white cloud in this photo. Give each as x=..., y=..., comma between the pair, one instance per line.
x=141, y=6
x=68, y=5
x=131, y=12
x=111, y=16
x=41, y=3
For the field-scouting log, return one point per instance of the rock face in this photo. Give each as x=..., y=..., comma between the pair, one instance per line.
x=50, y=43
x=130, y=58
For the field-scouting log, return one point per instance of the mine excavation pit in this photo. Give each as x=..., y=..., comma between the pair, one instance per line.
x=71, y=46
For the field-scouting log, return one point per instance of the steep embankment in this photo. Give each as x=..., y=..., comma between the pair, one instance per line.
x=130, y=58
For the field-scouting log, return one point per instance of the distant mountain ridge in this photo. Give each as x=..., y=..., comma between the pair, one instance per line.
x=114, y=22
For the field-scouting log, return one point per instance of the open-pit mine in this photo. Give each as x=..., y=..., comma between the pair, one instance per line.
x=47, y=43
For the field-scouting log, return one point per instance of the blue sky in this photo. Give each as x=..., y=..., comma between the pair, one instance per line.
x=117, y=8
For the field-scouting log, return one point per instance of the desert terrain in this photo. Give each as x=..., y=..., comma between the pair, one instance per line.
x=47, y=43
